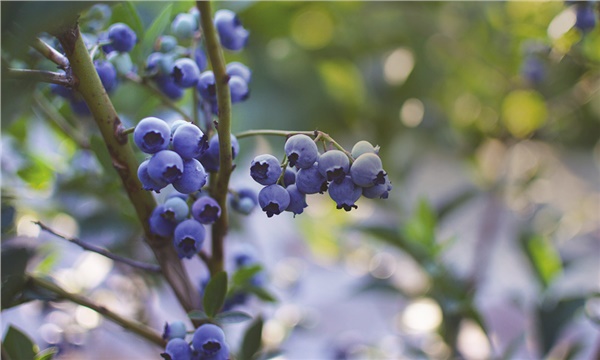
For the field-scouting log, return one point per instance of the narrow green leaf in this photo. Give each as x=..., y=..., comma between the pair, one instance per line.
x=214, y=294
x=197, y=315
x=157, y=27
x=134, y=19
x=544, y=258
x=18, y=345
x=14, y=261
x=252, y=340
x=47, y=354
x=261, y=293
x=232, y=317
x=243, y=275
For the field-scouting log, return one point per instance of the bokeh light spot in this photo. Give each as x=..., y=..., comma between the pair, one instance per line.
x=411, y=113
x=398, y=65
x=312, y=29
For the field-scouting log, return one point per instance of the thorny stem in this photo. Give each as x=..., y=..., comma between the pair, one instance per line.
x=50, y=53
x=42, y=75
x=221, y=184
x=131, y=325
x=86, y=246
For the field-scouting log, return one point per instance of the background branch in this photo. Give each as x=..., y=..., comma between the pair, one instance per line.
x=41, y=75
x=50, y=53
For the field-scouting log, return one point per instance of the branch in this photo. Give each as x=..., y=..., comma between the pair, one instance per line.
x=131, y=325
x=50, y=53
x=102, y=251
x=42, y=76
x=126, y=164
x=221, y=185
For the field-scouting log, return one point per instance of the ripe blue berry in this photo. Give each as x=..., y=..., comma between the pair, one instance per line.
x=345, y=193
x=200, y=58
x=162, y=221
x=310, y=180
x=166, y=43
x=79, y=106
x=192, y=179
x=61, y=91
x=243, y=201
x=107, y=73
x=334, y=165
x=149, y=183
x=301, y=151
x=238, y=88
x=178, y=207
x=210, y=158
x=177, y=349
x=166, y=165
x=585, y=19
x=209, y=342
x=185, y=73
x=122, y=38
x=206, y=210
x=367, y=170
x=188, y=238
x=152, y=135
x=184, y=26
x=378, y=191
x=189, y=141
x=206, y=86
x=175, y=125
x=265, y=169
x=297, y=200
x=167, y=86
x=238, y=69
x=103, y=38
x=159, y=63
x=363, y=147
x=174, y=330
x=533, y=70
x=289, y=177
x=232, y=34
x=273, y=199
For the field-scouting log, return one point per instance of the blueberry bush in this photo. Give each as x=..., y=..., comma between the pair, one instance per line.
x=335, y=180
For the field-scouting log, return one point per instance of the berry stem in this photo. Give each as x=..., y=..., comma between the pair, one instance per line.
x=50, y=53
x=131, y=325
x=261, y=132
x=133, y=263
x=219, y=193
x=41, y=75
x=125, y=163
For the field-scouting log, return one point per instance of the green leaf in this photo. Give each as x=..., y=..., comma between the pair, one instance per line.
x=37, y=174
x=18, y=345
x=261, y=293
x=553, y=318
x=157, y=27
x=543, y=257
x=243, y=275
x=421, y=228
x=252, y=340
x=232, y=317
x=14, y=263
x=47, y=354
x=214, y=294
x=197, y=315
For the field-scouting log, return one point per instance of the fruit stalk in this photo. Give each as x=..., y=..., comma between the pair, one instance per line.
x=221, y=185
x=125, y=162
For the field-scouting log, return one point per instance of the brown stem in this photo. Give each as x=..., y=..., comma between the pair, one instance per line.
x=41, y=75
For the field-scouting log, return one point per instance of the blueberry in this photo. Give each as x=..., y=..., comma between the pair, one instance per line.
x=301, y=151
x=79, y=106
x=103, y=38
x=210, y=158
x=121, y=61
x=189, y=141
x=107, y=73
x=185, y=73
x=177, y=349
x=61, y=91
x=367, y=170
x=178, y=207
x=209, y=342
x=334, y=165
x=238, y=69
x=188, y=238
x=533, y=70
x=175, y=125
x=159, y=63
x=265, y=169
x=585, y=18
x=345, y=193
x=162, y=221
x=297, y=200
x=192, y=179
x=238, y=88
x=363, y=147
x=273, y=199
x=289, y=177
x=122, y=38
x=243, y=201
x=206, y=86
x=237, y=298
x=149, y=183
x=166, y=165
x=174, y=330
x=184, y=26
x=167, y=86
x=232, y=34
x=200, y=58
x=310, y=180
x=166, y=43
x=378, y=191
x=206, y=210
x=152, y=135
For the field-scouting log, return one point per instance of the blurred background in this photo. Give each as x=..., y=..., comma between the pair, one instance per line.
x=488, y=118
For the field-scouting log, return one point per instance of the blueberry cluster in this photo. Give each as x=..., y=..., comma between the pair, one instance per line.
x=585, y=18
x=346, y=176
x=208, y=342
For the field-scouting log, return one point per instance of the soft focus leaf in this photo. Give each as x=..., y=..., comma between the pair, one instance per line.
x=157, y=27
x=244, y=274
x=252, y=340
x=232, y=317
x=18, y=345
x=197, y=315
x=47, y=354
x=523, y=111
x=14, y=263
x=214, y=294
x=554, y=317
x=261, y=293
x=543, y=257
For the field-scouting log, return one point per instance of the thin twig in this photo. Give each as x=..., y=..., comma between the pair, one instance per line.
x=56, y=118
x=50, y=53
x=42, y=75
x=131, y=325
x=133, y=263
